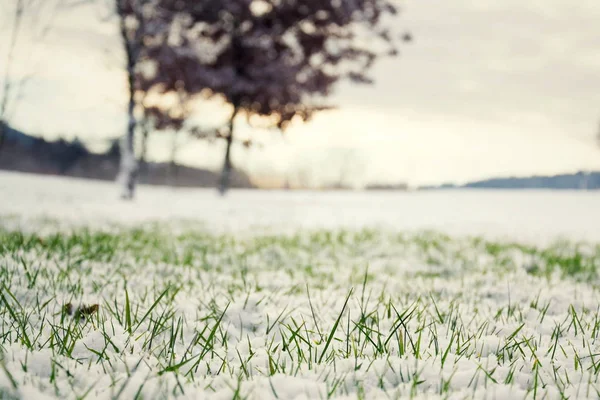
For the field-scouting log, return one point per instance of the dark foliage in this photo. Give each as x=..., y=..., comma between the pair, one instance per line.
x=276, y=60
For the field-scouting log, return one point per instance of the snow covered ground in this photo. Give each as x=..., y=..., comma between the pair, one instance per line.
x=274, y=295
x=514, y=215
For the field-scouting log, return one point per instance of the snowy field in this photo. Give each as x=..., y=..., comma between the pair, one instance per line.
x=275, y=295
x=512, y=215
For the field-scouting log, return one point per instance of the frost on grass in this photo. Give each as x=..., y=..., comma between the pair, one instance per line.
x=344, y=314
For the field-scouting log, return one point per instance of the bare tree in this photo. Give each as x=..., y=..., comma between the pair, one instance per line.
x=38, y=16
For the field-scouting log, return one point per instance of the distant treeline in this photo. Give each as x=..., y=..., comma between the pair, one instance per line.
x=26, y=153
x=390, y=186
x=577, y=181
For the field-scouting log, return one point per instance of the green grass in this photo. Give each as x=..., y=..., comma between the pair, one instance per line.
x=360, y=312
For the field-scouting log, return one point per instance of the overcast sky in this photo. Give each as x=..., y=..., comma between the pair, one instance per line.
x=487, y=88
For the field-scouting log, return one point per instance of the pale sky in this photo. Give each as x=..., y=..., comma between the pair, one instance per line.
x=486, y=89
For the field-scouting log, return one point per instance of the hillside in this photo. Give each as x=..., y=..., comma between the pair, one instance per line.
x=577, y=181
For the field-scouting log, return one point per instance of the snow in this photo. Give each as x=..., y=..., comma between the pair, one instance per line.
x=226, y=282
x=516, y=215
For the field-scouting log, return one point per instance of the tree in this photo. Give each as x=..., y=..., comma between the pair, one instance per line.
x=273, y=62
x=38, y=15
x=131, y=29
x=145, y=26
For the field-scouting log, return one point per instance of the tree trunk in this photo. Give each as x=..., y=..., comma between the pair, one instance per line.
x=226, y=173
x=143, y=164
x=128, y=168
x=172, y=169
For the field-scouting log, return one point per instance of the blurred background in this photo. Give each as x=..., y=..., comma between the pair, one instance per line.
x=340, y=95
